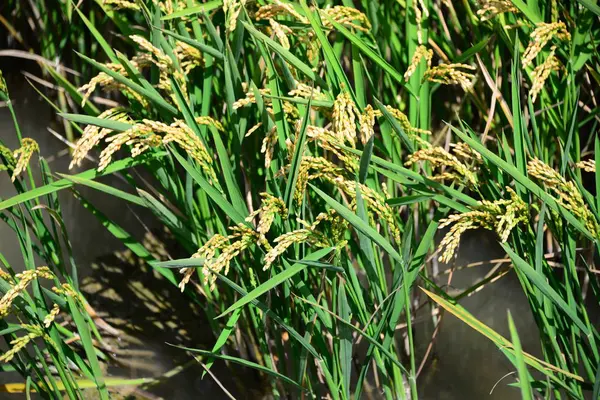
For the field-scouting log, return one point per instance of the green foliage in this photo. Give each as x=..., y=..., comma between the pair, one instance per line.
x=56, y=359
x=297, y=156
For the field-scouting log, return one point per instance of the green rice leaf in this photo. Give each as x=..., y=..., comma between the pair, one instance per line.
x=210, y=190
x=372, y=55
x=359, y=224
x=204, y=7
x=541, y=283
x=276, y=280
x=67, y=183
x=196, y=44
x=524, y=378
x=242, y=362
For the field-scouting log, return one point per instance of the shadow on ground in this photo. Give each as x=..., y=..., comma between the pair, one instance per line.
x=151, y=315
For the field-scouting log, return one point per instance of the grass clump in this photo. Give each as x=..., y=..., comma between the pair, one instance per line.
x=47, y=327
x=305, y=155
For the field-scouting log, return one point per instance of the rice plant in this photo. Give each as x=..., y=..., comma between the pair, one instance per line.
x=53, y=342
x=304, y=155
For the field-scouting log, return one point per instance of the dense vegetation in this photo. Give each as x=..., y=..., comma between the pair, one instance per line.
x=304, y=156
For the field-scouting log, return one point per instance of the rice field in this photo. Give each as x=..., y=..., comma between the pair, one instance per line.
x=314, y=167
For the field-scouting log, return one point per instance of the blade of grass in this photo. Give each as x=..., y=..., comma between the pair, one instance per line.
x=268, y=312
x=180, y=263
x=365, y=160
x=290, y=186
x=499, y=340
x=372, y=55
x=319, y=264
x=196, y=44
x=276, y=280
x=97, y=35
x=286, y=55
x=590, y=5
x=186, y=12
x=242, y=362
x=224, y=336
x=105, y=188
x=541, y=283
x=332, y=61
x=101, y=122
x=524, y=380
x=213, y=193
x=345, y=338
x=90, y=351
x=66, y=183
x=359, y=224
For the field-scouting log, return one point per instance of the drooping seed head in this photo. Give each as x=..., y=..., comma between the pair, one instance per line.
x=543, y=33
x=587, y=165
x=566, y=192
x=122, y=4
x=491, y=8
x=451, y=74
x=421, y=52
x=542, y=72
x=347, y=16
x=23, y=155
x=438, y=157
x=501, y=216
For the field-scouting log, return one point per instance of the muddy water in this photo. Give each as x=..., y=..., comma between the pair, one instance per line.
x=150, y=313
x=465, y=365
